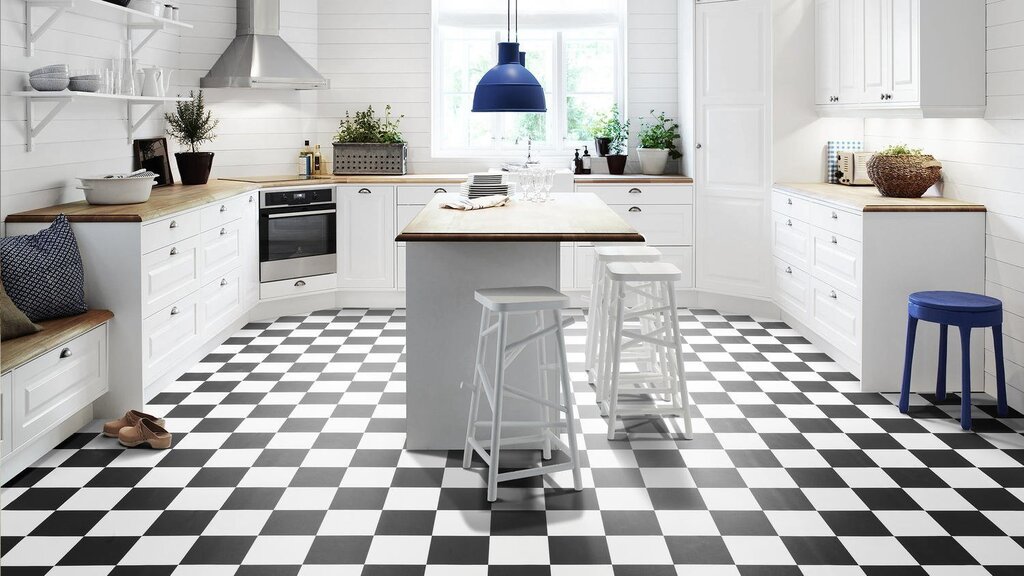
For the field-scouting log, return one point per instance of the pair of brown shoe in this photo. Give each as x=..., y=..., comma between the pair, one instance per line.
x=136, y=428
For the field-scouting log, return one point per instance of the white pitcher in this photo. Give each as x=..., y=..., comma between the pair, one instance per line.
x=151, y=82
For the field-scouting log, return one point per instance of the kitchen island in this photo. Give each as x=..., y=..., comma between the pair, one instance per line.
x=453, y=253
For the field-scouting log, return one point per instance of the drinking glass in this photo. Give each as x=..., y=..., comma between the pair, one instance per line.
x=549, y=183
x=526, y=184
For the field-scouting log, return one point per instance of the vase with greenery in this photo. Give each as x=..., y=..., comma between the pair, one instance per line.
x=611, y=136
x=370, y=144
x=657, y=137
x=903, y=172
x=191, y=125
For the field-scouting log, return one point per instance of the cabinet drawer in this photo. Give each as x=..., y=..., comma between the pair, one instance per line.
x=420, y=195
x=791, y=205
x=220, y=213
x=298, y=286
x=220, y=303
x=640, y=193
x=837, y=260
x=165, y=232
x=59, y=383
x=791, y=240
x=660, y=224
x=220, y=250
x=169, y=274
x=5, y=414
x=792, y=289
x=836, y=221
x=406, y=214
x=170, y=334
x=836, y=316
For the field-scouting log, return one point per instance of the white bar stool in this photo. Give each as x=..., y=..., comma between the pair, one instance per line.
x=598, y=297
x=654, y=283
x=502, y=302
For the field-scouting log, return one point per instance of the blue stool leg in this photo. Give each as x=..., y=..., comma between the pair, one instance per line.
x=965, y=359
x=940, y=380
x=908, y=361
x=997, y=343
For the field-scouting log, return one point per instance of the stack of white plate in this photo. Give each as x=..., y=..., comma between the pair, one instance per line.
x=485, y=184
x=51, y=78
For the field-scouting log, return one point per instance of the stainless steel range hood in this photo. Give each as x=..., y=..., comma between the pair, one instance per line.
x=258, y=57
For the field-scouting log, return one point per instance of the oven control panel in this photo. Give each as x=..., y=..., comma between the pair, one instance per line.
x=298, y=197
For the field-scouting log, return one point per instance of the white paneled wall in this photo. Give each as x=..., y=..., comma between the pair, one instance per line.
x=983, y=161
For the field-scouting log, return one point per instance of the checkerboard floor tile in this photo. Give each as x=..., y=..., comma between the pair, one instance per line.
x=289, y=460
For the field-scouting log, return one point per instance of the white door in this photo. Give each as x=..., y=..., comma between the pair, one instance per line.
x=851, y=50
x=826, y=51
x=366, y=236
x=905, y=58
x=733, y=124
x=877, y=73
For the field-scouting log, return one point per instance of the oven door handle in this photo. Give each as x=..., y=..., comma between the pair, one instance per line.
x=297, y=214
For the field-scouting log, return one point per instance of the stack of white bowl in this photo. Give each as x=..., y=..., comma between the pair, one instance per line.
x=86, y=83
x=51, y=78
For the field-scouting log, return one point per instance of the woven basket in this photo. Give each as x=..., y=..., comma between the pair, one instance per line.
x=904, y=176
x=369, y=158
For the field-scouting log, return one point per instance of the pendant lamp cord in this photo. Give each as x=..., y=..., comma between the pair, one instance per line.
x=517, y=20
x=508, y=21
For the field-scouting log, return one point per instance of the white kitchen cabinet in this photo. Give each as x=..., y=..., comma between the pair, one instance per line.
x=220, y=303
x=366, y=232
x=5, y=413
x=170, y=334
x=249, y=232
x=220, y=251
x=900, y=58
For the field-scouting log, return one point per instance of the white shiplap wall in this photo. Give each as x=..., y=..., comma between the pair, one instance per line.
x=379, y=52
x=983, y=161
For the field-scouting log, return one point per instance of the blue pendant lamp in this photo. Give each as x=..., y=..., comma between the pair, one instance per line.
x=509, y=86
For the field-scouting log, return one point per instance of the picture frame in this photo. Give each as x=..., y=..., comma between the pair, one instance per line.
x=152, y=154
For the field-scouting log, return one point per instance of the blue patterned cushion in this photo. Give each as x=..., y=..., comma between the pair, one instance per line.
x=43, y=272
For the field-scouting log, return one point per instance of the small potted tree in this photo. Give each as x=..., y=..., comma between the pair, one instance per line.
x=611, y=133
x=367, y=144
x=657, y=143
x=191, y=125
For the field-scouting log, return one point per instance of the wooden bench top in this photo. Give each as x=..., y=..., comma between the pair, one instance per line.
x=14, y=353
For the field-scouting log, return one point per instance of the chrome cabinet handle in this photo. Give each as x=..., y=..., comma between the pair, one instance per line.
x=833, y=295
x=365, y=191
x=835, y=216
x=223, y=281
x=223, y=231
x=300, y=283
x=635, y=191
x=699, y=146
x=789, y=201
x=440, y=191
x=174, y=250
x=175, y=311
x=65, y=353
x=174, y=224
x=789, y=270
x=789, y=222
x=223, y=208
x=251, y=199
x=881, y=96
x=635, y=209
x=834, y=241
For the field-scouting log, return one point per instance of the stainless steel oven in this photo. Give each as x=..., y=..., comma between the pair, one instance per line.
x=298, y=233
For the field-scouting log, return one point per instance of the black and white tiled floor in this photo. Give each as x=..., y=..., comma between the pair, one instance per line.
x=289, y=459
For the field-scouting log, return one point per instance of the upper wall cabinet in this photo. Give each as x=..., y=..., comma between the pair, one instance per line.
x=903, y=58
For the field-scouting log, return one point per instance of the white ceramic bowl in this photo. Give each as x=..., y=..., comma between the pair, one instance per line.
x=85, y=84
x=61, y=69
x=49, y=84
x=100, y=190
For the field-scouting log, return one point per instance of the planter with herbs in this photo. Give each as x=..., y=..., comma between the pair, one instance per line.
x=367, y=144
x=902, y=172
x=611, y=136
x=191, y=125
x=657, y=143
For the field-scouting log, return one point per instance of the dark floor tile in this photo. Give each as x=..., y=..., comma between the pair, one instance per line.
x=293, y=522
x=68, y=523
x=406, y=522
x=219, y=550
x=742, y=523
x=630, y=523
x=937, y=550
x=338, y=550
x=817, y=551
x=253, y=499
x=98, y=551
x=458, y=550
x=854, y=523
x=966, y=523
x=181, y=523
x=698, y=550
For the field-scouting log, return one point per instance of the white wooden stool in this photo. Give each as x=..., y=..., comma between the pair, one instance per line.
x=502, y=302
x=654, y=284
x=599, y=297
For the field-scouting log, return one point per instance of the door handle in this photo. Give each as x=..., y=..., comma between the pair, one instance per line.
x=223, y=231
x=440, y=191
x=223, y=281
x=833, y=295
x=635, y=191
x=699, y=146
x=635, y=209
x=174, y=250
x=174, y=224
x=789, y=201
x=297, y=214
x=789, y=270
x=65, y=353
x=365, y=191
x=300, y=283
x=789, y=222
x=175, y=311
x=835, y=216
x=834, y=241
x=223, y=208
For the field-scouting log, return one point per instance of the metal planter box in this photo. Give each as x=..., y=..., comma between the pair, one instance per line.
x=369, y=158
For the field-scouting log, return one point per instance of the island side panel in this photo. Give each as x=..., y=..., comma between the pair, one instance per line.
x=442, y=325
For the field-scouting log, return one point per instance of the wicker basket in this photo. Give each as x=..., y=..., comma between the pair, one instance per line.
x=903, y=176
x=369, y=158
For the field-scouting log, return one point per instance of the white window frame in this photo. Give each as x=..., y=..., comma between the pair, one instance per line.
x=504, y=149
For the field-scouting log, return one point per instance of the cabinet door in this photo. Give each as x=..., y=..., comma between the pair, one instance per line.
x=877, y=73
x=851, y=50
x=250, y=235
x=366, y=236
x=905, y=26
x=826, y=51
x=5, y=414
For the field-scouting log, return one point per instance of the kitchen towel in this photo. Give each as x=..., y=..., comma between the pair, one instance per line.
x=460, y=202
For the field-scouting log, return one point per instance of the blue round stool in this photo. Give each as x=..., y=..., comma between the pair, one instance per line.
x=965, y=311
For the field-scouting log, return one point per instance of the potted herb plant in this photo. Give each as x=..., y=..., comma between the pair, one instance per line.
x=657, y=143
x=903, y=172
x=191, y=125
x=368, y=144
x=610, y=137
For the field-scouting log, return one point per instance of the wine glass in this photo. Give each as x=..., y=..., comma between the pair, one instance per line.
x=549, y=183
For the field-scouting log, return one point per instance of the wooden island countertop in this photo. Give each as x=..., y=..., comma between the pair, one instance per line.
x=576, y=217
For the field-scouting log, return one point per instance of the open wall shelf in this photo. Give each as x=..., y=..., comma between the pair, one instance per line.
x=133, y=19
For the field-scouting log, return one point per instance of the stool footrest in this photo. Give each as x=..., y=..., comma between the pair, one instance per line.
x=530, y=472
x=524, y=424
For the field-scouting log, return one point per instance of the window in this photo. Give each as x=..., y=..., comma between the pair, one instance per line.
x=576, y=53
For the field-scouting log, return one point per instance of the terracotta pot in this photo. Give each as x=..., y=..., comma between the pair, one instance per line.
x=652, y=160
x=601, y=146
x=194, y=167
x=616, y=163
x=904, y=176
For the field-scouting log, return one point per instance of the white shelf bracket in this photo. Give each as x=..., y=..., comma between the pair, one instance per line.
x=151, y=28
x=33, y=131
x=33, y=36
x=134, y=125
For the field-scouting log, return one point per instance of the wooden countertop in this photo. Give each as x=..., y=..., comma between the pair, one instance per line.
x=576, y=217
x=868, y=199
x=396, y=179
x=54, y=333
x=631, y=179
